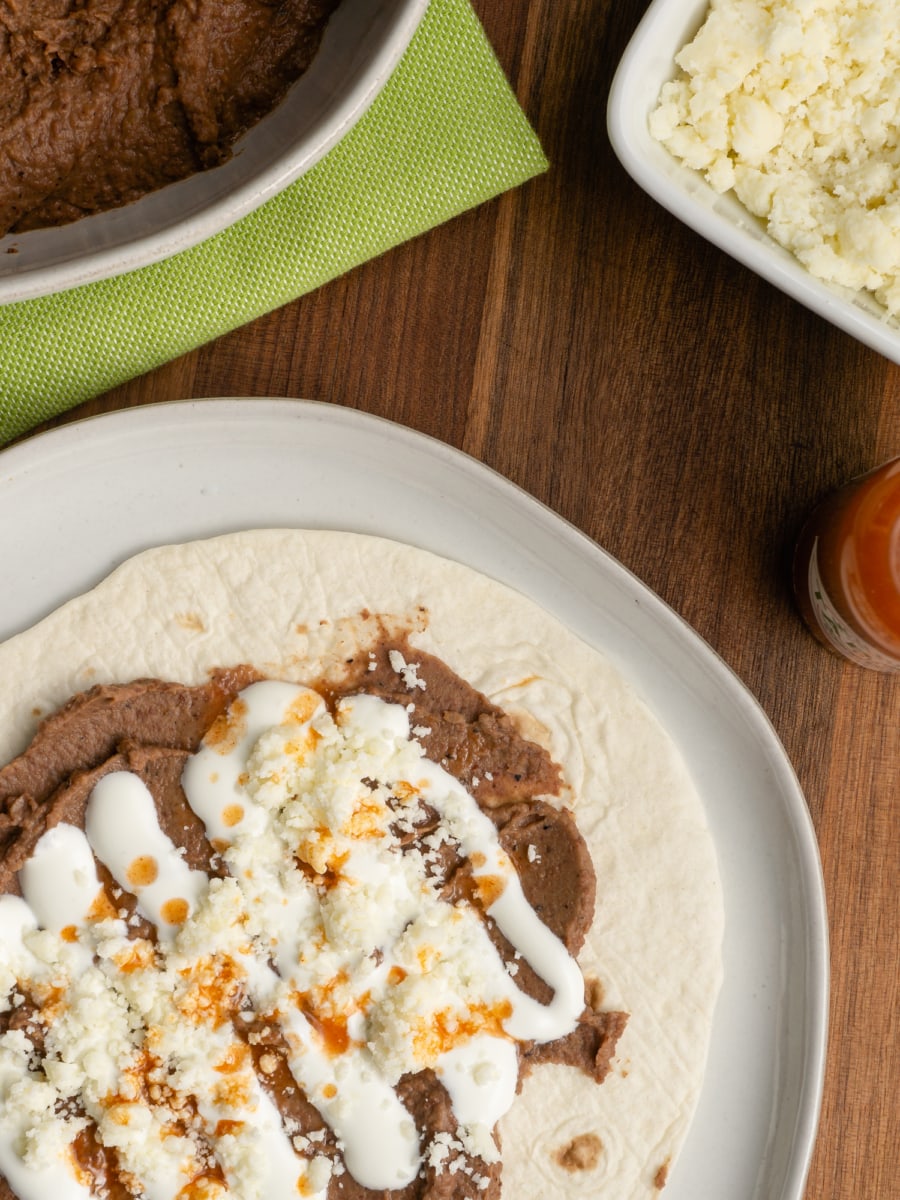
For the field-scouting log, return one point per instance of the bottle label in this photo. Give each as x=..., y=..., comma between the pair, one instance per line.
x=844, y=639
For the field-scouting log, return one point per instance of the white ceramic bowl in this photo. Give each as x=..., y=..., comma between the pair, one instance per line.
x=649, y=62
x=363, y=42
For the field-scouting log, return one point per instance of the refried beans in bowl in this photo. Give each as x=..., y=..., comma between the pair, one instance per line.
x=134, y=128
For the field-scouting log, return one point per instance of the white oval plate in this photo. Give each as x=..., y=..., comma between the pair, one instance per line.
x=79, y=500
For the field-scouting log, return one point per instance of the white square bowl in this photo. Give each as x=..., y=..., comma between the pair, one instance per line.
x=363, y=42
x=648, y=63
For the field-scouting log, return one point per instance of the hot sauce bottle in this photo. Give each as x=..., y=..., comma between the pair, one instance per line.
x=847, y=569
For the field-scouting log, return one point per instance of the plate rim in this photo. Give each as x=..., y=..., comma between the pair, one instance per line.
x=39, y=450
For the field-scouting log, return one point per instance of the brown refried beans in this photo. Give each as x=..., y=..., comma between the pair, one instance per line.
x=151, y=727
x=102, y=101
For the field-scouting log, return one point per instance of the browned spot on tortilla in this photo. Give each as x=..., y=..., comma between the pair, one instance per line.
x=191, y=621
x=594, y=993
x=661, y=1178
x=524, y=682
x=581, y=1154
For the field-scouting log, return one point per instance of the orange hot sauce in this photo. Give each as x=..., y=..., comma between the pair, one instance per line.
x=847, y=570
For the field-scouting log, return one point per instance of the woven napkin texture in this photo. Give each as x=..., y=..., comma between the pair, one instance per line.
x=445, y=134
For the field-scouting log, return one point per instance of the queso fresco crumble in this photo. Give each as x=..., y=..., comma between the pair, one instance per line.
x=795, y=105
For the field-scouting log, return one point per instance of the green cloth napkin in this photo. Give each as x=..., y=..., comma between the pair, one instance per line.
x=445, y=134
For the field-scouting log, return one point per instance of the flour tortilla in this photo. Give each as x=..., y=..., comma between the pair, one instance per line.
x=291, y=602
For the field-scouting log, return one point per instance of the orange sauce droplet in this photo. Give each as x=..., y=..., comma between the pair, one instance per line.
x=332, y=1031
x=69, y=933
x=224, y=1127
x=329, y=1091
x=490, y=888
x=214, y=990
x=142, y=871
x=175, y=911
x=139, y=957
x=52, y=1003
x=327, y=1019
x=226, y=731
x=102, y=908
x=334, y=1035
x=445, y=1029
x=365, y=821
x=426, y=955
x=232, y=814
x=404, y=791
x=206, y=1186
x=234, y=1060
x=303, y=708
x=92, y=1162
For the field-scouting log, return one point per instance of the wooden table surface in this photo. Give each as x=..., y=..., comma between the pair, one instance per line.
x=683, y=413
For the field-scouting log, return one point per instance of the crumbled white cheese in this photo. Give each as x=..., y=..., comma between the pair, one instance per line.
x=380, y=901
x=408, y=672
x=442, y=1148
x=795, y=106
x=34, y=1103
x=319, y=1174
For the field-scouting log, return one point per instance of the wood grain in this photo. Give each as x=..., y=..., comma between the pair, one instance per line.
x=575, y=337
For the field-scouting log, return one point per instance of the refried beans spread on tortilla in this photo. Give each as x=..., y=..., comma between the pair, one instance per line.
x=345, y=1076
x=103, y=101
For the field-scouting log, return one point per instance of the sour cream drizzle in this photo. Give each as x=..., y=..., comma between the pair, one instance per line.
x=331, y=929
x=206, y=1062
x=55, y=1179
x=124, y=832
x=479, y=1071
